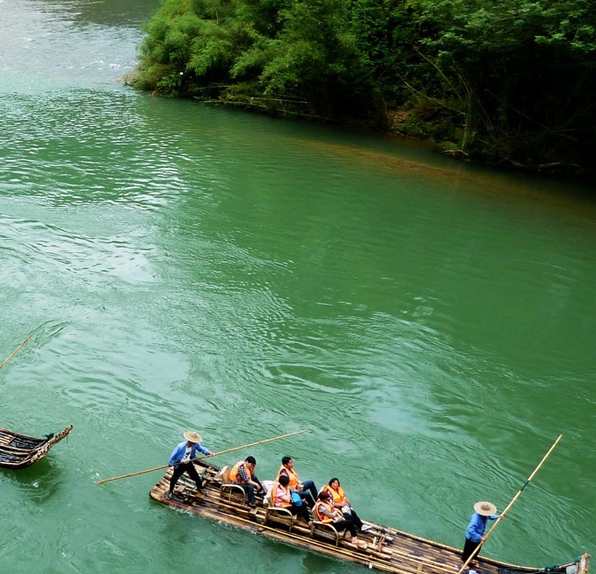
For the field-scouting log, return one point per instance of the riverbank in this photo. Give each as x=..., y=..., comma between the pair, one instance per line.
x=429, y=129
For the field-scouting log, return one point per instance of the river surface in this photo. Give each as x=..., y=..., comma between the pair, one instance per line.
x=182, y=267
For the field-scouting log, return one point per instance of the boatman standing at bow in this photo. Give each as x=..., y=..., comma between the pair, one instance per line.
x=181, y=460
x=483, y=511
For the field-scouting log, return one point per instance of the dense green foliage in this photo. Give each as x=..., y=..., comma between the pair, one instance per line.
x=509, y=81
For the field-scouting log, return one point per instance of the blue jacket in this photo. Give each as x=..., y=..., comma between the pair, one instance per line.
x=477, y=526
x=178, y=452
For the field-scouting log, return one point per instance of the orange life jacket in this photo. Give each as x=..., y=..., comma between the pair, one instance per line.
x=339, y=496
x=276, y=496
x=234, y=476
x=323, y=517
x=292, y=475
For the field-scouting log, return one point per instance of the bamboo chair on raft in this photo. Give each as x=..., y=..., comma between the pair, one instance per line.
x=327, y=531
x=230, y=491
x=278, y=515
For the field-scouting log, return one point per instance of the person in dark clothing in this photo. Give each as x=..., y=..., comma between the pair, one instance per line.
x=243, y=474
x=281, y=497
x=181, y=460
x=483, y=511
x=326, y=513
x=307, y=489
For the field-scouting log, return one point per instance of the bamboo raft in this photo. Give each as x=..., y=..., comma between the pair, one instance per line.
x=387, y=549
x=20, y=451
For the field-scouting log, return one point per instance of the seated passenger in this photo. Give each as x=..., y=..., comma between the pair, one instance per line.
x=307, y=489
x=281, y=497
x=340, y=501
x=325, y=512
x=243, y=474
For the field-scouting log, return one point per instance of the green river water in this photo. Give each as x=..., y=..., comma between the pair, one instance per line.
x=182, y=267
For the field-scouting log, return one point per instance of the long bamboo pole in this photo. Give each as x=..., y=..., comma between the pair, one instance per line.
x=514, y=499
x=16, y=350
x=201, y=457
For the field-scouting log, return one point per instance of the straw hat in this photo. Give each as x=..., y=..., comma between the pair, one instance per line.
x=192, y=436
x=485, y=508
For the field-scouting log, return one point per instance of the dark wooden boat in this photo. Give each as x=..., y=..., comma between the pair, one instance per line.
x=387, y=549
x=20, y=451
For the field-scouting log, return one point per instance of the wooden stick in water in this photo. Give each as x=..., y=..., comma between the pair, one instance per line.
x=15, y=351
x=201, y=457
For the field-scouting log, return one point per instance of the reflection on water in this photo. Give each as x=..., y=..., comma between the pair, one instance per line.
x=42, y=13
x=38, y=483
x=45, y=48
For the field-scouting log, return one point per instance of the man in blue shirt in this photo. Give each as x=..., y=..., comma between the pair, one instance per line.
x=181, y=460
x=483, y=511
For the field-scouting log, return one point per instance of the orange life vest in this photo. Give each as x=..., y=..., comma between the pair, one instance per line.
x=234, y=476
x=292, y=475
x=339, y=496
x=323, y=517
x=277, y=497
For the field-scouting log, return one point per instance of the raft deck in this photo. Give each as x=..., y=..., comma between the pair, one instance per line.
x=387, y=549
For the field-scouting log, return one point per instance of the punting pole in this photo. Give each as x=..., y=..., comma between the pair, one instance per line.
x=201, y=457
x=15, y=351
x=477, y=549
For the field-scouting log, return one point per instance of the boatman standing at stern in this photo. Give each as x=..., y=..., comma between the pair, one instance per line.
x=483, y=511
x=181, y=460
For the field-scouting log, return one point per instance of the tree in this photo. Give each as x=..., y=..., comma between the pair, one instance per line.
x=501, y=80
x=520, y=73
